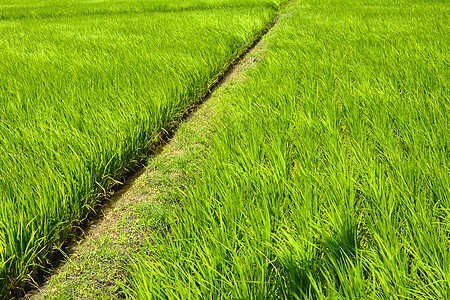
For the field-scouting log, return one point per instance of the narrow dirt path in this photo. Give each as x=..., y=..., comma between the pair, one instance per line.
x=93, y=268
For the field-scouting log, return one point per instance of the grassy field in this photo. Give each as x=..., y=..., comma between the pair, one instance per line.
x=85, y=88
x=329, y=176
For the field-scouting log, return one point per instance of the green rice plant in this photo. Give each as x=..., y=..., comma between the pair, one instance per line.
x=329, y=177
x=88, y=87
x=45, y=9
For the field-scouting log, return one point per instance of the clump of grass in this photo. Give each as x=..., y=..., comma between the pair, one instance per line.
x=154, y=216
x=328, y=178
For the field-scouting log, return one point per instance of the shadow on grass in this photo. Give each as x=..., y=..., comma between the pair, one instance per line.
x=311, y=270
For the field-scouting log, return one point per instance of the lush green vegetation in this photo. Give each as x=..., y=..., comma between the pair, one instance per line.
x=85, y=87
x=329, y=177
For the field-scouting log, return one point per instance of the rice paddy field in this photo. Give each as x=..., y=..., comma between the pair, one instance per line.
x=86, y=87
x=328, y=178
